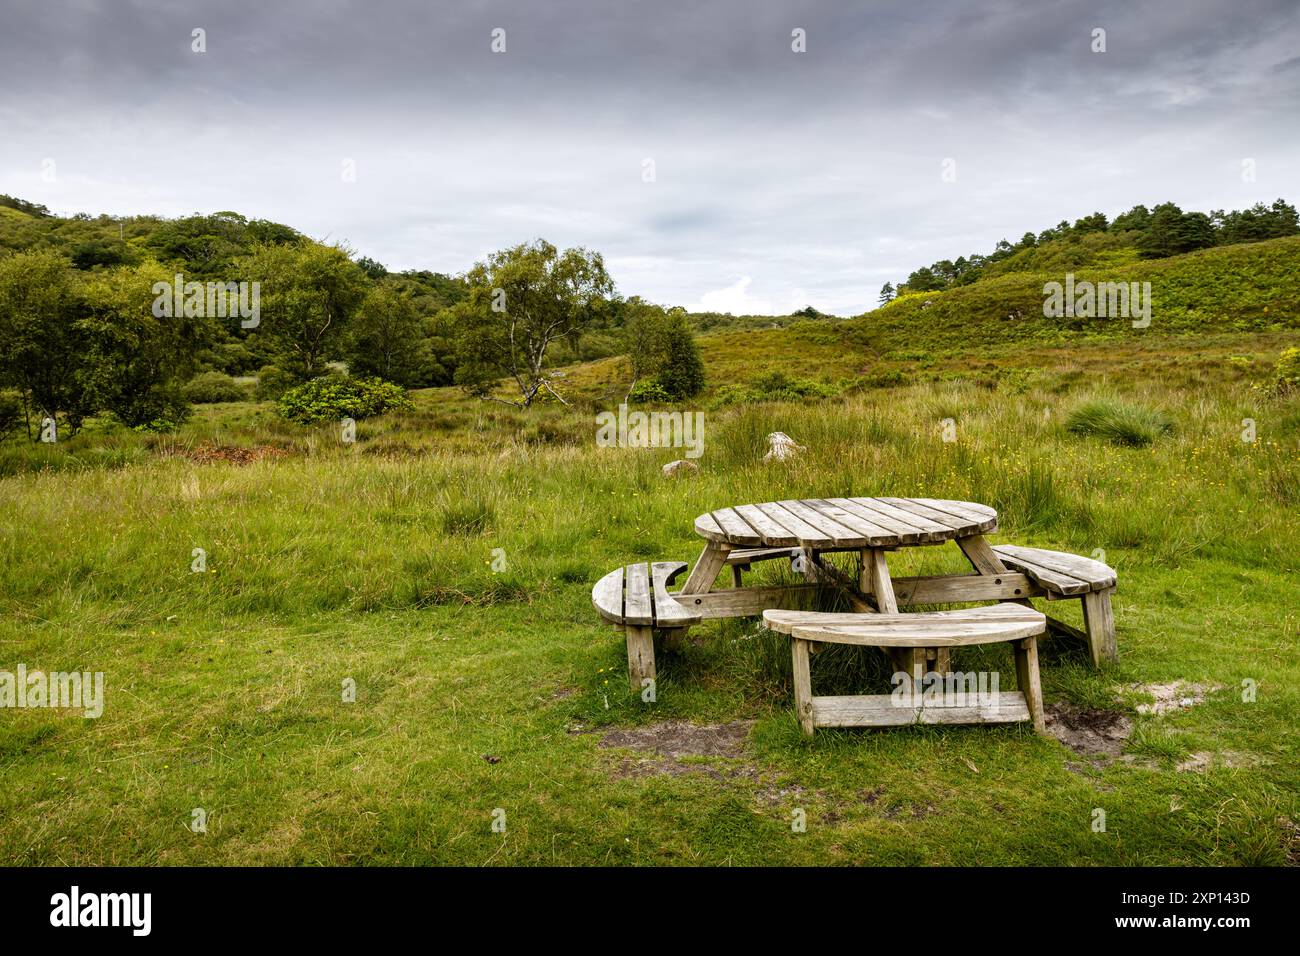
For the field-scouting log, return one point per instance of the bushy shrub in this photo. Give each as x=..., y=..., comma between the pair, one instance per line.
x=11, y=414
x=681, y=374
x=773, y=387
x=209, y=387
x=887, y=378
x=273, y=382
x=780, y=387
x=334, y=397
x=1286, y=375
x=648, y=390
x=1119, y=423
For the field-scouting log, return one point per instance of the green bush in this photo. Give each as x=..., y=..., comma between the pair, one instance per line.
x=648, y=390
x=334, y=397
x=681, y=375
x=1286, y=376
x=209, y=387
x=1119, y=423
x=11, y=414
x=272, y=382
x=888, y=378
x=780, y=387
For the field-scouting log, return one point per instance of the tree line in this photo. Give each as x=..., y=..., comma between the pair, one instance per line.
x=1166, y=230
x=81, y=333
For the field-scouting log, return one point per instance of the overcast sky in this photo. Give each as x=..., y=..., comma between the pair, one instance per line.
x=780, y=178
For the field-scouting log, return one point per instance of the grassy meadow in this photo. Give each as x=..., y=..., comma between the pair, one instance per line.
x=489, y=692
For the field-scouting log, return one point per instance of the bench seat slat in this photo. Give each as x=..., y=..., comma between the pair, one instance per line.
x=1068, y=574
x=880, y=710
x=607, y=596
x=978, y=625
x=668, y=612
x=636, y=599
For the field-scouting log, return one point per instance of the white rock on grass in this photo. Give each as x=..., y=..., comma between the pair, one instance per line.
x=781, y=446
x=680, y=468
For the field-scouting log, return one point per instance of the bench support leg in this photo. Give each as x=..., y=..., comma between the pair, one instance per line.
x=710, y=562
x=640, y=655
x=802, y=685
x=1028, y=681
x=1099, y=622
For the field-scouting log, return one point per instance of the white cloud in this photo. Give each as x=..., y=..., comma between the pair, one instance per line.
x=738, y=300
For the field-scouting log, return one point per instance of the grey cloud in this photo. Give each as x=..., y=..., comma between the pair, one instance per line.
x=813, y=174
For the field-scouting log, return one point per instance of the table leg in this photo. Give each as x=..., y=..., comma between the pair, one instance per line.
x=875, y=581
x=706, y=569
x=986, y=561
x=981, y=555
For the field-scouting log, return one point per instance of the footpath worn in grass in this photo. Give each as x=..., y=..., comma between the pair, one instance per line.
x=486, y=693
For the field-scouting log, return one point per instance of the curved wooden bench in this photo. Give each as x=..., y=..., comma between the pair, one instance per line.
x=1013, y=623
x=1063, y=576
x=636, y=598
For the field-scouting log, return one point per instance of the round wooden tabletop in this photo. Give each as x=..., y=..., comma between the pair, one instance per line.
x=846, y=523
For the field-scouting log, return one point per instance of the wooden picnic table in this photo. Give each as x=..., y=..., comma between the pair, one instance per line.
x=870, y=526
x=637, y=599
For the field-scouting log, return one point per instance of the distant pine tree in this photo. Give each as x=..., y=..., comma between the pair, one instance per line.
x=682, y=373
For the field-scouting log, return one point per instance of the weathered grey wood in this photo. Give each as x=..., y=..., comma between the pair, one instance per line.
x=667, y=611
x=839, y=535
x=1100, y=623
x=607, y=596
x=803, y=698
x=826, y=524
x=935, y=527
x=1069, y=574
x=956, y=588
x=747, y=601
x=769, y=530
x=709, y=529
x=875, y=580
x=747, y=556
x=907, y=531
x=805, y=534
x=978, y=625
x=706, y=569
x=880, y=710
x=840, y=511
x=966, y=517
x=640, y=656
x=637, y=608
x=1027, y=678
x=981, y=555
x=737, y=529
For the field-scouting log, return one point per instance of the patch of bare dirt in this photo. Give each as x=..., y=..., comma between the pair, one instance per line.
x=1204, y=760
x=1173, y=696
x=634, y=768
x=1089, y=731
x=236, y=454
x=681, y=738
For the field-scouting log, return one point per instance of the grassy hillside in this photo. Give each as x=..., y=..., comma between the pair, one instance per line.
x=1236, y=304
x=1250, y=287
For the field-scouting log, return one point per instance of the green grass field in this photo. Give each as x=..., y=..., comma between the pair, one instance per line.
x=482, y=692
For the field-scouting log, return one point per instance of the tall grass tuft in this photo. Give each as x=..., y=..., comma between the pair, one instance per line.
x=471, y=516
x=1120, y=423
